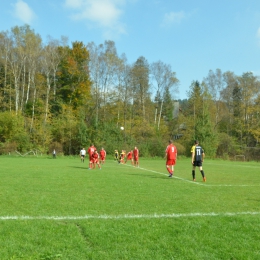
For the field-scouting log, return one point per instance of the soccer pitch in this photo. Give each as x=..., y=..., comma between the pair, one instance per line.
x=58, y=209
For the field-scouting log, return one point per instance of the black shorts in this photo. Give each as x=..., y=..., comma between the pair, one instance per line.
x=197, y=163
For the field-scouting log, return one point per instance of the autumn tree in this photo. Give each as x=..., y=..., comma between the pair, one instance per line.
x=73, y=75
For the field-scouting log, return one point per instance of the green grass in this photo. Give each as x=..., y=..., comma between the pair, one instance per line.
x=58, y=209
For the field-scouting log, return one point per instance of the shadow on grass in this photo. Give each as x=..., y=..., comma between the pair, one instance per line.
x=79, y=167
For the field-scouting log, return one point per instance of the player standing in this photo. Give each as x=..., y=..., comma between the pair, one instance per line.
x=82, y=154
x=171, y=157
x=54, y=154
x=136, y=157
x=116, y=155
x=91, y=150
x=103, y=155
x=197, y=160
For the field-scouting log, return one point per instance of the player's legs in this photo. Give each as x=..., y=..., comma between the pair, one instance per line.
x=170, y=166
x=193, y=171
x=170, y=170
x=202, y=173
x=90, y=163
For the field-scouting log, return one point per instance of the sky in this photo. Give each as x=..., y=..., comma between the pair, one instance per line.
x=193, y=37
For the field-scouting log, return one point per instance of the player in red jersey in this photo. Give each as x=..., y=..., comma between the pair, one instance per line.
x=91, y=150
x=136, y=157
x=95, y=160
x=103, y=155
x=171, y=157
x=130, y=157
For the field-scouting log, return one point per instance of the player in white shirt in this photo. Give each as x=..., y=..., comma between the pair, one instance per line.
x=82, y=154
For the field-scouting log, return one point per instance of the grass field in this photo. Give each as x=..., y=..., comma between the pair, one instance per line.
x=58, y=209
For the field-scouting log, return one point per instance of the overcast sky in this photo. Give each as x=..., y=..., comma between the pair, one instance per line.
x=191, y=36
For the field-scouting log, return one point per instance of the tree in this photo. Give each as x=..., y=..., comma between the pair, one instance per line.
x=52, y=55
x=203, y=130
x=73, y=75
x=215, y=83
x=6, y=93
x=166, y=83
x=140, y=83
x=249, y=88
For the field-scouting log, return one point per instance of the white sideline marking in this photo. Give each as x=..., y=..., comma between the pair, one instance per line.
x=193, y=182
x=126, y=216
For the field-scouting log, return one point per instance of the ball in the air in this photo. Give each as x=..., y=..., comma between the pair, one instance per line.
x=122, y=128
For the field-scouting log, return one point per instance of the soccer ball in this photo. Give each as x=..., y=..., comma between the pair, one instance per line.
x=122, y=128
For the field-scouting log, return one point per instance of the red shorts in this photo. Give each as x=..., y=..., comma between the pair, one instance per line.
x=95, y=160
x=136, y=158
x=170, y=162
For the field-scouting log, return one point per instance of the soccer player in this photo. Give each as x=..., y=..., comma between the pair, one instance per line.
x=54, y=154
x=116, y=155
x=197, y=160
x=95, y=160
x=91, y=150
x=130, y=157
x=171, y=157
x=82, y=154
x=136, y=157
x=103, y=155
x=122, y=156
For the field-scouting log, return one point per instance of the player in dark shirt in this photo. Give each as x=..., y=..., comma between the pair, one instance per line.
x=197, y=160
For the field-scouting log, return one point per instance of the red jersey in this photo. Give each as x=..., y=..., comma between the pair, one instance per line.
x=171, y=152
x=95, y=157
x=91, y=150
x=129, y=156
x=136, y=153
x=102, y=154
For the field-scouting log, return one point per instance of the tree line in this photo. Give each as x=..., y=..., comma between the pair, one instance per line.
x=64, y=97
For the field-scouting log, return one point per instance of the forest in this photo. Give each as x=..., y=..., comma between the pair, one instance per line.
x=61, y=96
